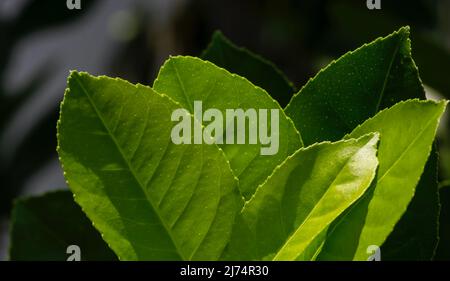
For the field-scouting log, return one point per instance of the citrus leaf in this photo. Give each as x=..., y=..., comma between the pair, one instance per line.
x=222, y=52
x=443, y=249
x=189, y=79
x=301, y=198
x=356, y=87
x=407, y=132
x=415, y=236
x=150, y=199
x=43, y=227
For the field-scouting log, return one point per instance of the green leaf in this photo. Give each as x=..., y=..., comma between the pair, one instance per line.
x=407, y=133
x=222, y=52
x=43, y=227
x=150, y=199
x=356, y=87
x=415, y=236
x=443, y=249
x=189, y=79
x=301, y=198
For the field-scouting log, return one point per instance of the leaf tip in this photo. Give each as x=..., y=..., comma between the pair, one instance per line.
x=218, y=34
x=405, y=30
x=374, y=139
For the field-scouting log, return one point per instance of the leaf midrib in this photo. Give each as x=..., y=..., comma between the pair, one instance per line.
x=133, y=173
x=183, y=90
x=383, y=89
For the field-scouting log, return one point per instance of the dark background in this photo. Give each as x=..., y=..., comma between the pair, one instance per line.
x=41, y=40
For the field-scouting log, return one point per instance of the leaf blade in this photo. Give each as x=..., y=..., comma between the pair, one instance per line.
x=115, y=147
x=355, y=87
x=415, y=236
x=301, y=198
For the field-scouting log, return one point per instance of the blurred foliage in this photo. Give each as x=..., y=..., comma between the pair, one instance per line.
x=40, y=230
x=40, y=142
